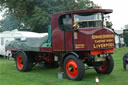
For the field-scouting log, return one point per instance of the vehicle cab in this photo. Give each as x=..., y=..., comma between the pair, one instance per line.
x=81, y=30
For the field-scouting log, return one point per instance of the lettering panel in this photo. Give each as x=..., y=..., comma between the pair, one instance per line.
x=103, y=41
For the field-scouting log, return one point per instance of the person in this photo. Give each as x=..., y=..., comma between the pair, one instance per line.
x=125, y=61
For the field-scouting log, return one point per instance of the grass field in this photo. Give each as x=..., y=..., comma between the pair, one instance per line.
x=42, y=76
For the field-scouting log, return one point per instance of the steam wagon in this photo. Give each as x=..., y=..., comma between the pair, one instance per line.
x=76, y=41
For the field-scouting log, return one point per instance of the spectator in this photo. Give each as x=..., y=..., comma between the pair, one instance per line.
x=125, y=61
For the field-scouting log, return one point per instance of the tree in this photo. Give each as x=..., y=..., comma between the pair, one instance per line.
x=36, y=13
x=9, y=23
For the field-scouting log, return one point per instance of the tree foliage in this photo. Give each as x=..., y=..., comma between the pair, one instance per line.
x=9, y=22
x=36, y=13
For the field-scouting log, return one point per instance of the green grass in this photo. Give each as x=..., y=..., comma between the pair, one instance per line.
x=42, y=76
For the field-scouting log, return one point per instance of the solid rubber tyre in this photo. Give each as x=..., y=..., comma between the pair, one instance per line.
x=107, y=67
x=73, y=68
x=24, y=61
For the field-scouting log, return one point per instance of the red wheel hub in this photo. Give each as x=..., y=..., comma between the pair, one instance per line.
x=20, y=63
x=72, y=68
x=104, y=66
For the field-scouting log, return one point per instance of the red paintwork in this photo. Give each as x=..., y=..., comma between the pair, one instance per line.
x=11, y=48
x=68, y=41
x=45, y=49
x=104, y=66
x=95, y=52
x=48, y=59
x=57, y=34
x=85, y=37
x=19, y=64
x=64, y=41
x=105, y=11
x=72, y=68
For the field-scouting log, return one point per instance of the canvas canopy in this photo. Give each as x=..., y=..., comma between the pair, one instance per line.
x=29, y=44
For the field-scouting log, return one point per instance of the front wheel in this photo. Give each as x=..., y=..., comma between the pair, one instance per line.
x=73, y=68
x=107, y=66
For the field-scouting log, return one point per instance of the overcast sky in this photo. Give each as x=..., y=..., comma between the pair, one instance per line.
x=119, y=17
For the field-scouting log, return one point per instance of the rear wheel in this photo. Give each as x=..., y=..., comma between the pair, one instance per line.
x=24, y=61
x=73, y=68
x=107, y=66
